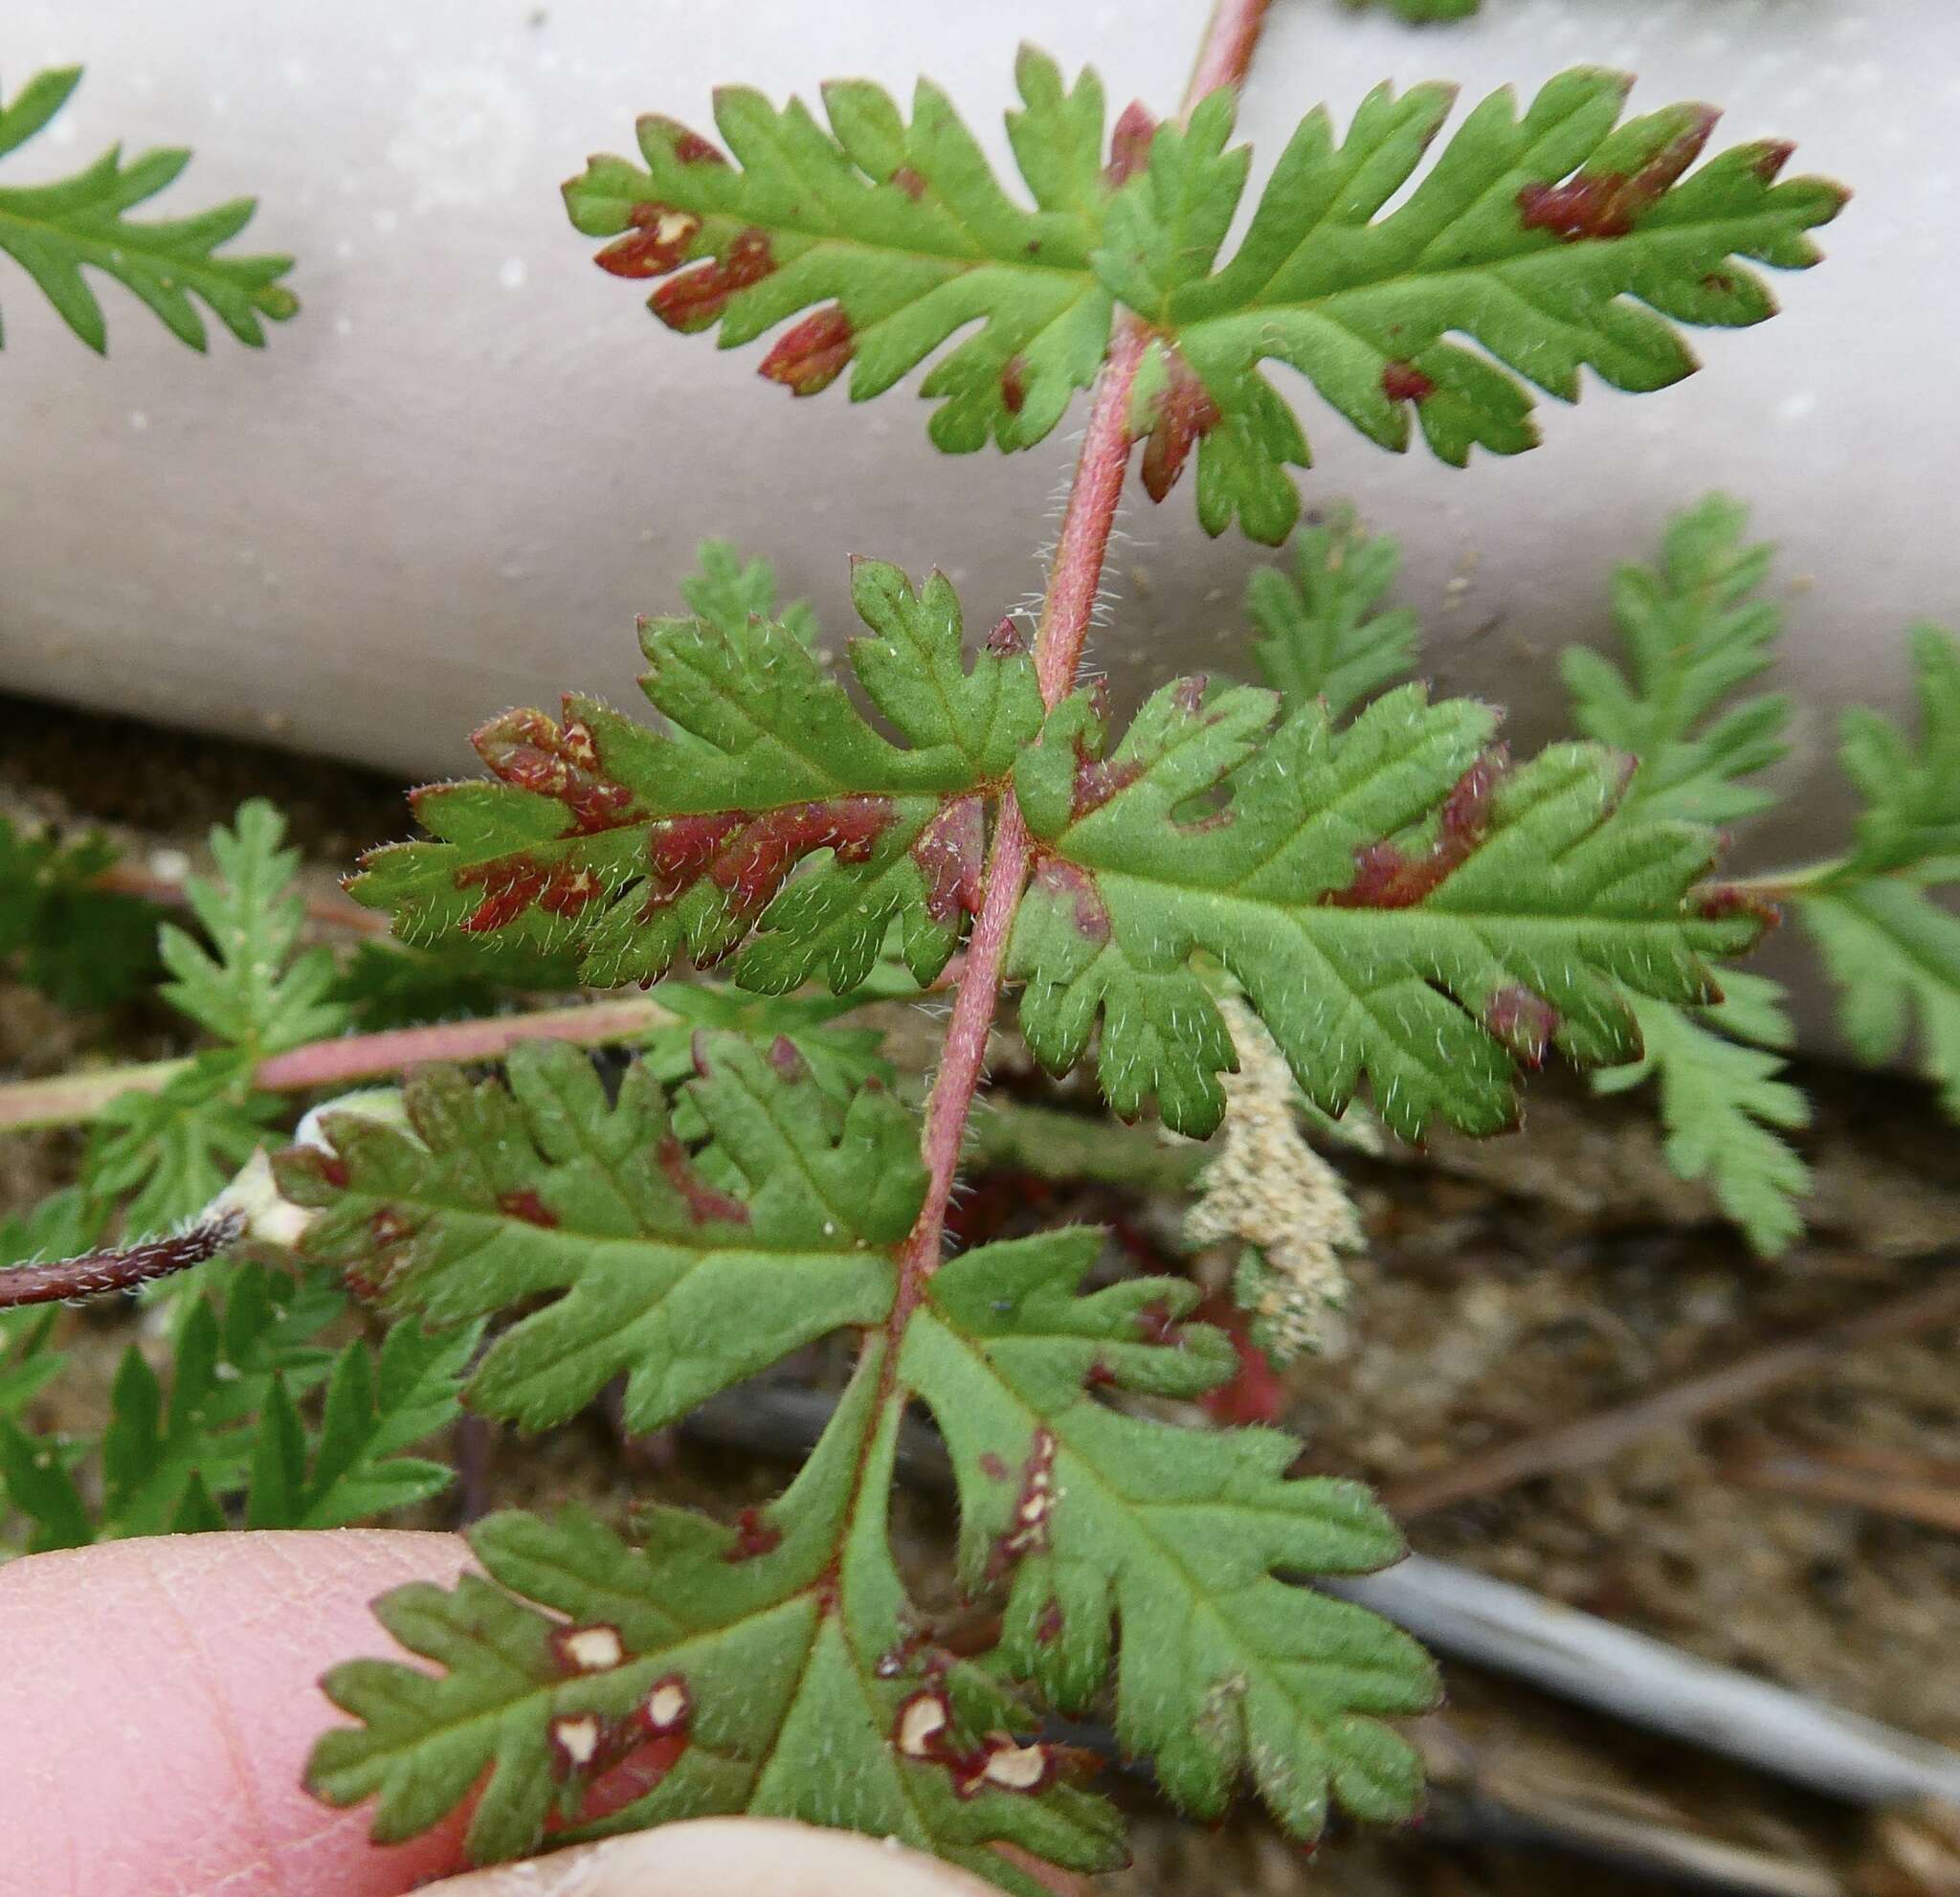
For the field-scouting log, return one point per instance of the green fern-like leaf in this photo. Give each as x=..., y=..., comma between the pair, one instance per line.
x=55, y=232
x=1098, y=1521
x=1558, y=240
x=637, y=847
x=779, y=1668
x=1326, y=634
x=81, y=946
x=894, y=235
x=1722, y=1103
x=1397, y=904
x=603, y=1206
x=223, y=1433
x=250, y=987
x=1892, y=948
x=165, y=1155
x=1693, y=634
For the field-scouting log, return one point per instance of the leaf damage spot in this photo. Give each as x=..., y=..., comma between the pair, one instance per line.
x=1609, y=204
x=951, y=852
x=697, y=298
x=1064, y=882
x=705, y=1206
x=1014, y=384
x=527, y=1206
x=810, y=355
x=667, y=1706
x=531, y=751
x=1028, y=1526
x=1526, y=1022
x=574, y=1742
x=658, y=243
x=749, y=854
x=909, y=182
x=512, y=885
x=687, y=146
x=589, y=1649
x=922, y=1731
x=1404, y=382
x=1388, y=876
x=1181, y=414
x=754, y=1536
x=1007, y=640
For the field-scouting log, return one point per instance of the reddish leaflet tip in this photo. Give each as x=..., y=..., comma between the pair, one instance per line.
x=785, y=1058
x=1524, y=1021
x=1774, y=156
x=1006, y=639
x=1609, y=204
x=531, y=751
x=1404, y=382
x=810, y=355
x=658, y=243
x=1129, y=142
x=697, y=298
x=1182, y=414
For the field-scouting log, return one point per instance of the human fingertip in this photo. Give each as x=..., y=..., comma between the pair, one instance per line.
x=725, y=1856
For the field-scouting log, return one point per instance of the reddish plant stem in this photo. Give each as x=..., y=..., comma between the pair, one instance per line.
x=321, y=1064
x=328, y=910
x=101, y=1271
x=1077, y=572
x=1231, y=37
x=1075, y=575
x=963, y=1060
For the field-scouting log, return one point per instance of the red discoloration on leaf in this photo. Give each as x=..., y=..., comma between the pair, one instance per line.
x=1720, y=282
x=1525, y=1022
x=1183, y=412
x=1014, y=384
x=1129, y=142
x=1771, y=161
x=1404, y=382
x=909, y=182
x=759, y=860
x=1718, y=901
x=783, y=1058
x=992, y=1466
x=656, y=243
x=594, y=1648
x=951, y=851
x=922, y=1731
x=1096, y=781
x=1056, y=878
x=1609, y=204
x=1027, y=1527
x=327, y=1165
x=511, y=885
x=531, y=751
x=695, y=299
x=1047, y=1628
x=810, y=355
x=388, y=1228
x=527, y=1206
x=679, y=850
x=705, y=1206
x=1006, y=639
x=1386, y=877
x=1187, y=695
x=753, y=1537
x=1253, y=1394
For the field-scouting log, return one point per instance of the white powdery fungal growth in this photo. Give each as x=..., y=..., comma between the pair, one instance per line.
x=1275, y=1194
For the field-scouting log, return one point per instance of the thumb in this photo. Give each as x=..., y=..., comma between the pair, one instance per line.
x=725, y=1856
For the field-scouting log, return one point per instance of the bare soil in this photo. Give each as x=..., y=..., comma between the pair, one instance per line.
x=1507, y=1289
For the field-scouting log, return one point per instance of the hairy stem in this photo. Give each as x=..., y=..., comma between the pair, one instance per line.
x=69, y=1099
x=96, y=1272
x=1075, y=575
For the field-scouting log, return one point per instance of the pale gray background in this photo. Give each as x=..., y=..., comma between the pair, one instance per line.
x=452, y=482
